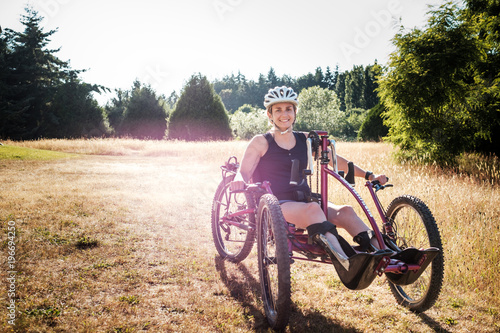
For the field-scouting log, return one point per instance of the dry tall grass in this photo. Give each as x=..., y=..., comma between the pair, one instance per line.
x=119, y=241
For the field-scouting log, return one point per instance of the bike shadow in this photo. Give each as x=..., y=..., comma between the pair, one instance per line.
x=244, y=288
x=434, y=325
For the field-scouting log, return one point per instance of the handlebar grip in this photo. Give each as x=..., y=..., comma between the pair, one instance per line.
x=350, y=173
x=295, y=175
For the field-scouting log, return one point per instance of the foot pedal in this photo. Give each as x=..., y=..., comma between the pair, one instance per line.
x=363, y=269
x=412, y=256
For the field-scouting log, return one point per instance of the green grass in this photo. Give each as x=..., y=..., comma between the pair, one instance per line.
x=21, y=153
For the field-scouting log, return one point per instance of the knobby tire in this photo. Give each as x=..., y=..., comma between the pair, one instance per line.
x=415, y=226
x=274, y=262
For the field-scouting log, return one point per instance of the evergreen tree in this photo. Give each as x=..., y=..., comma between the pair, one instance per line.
x=372, y=72
x=236, y=91
x=305, y=81
x=199, y=113
x=75, y=113
x=330, y=79
x=319, y=78
x=34, y=81
x=340, y=90
x=355, y=88
x=272, y=79
x=9, y=119
x=115, y=109
x=172, y=99
x=144, y=116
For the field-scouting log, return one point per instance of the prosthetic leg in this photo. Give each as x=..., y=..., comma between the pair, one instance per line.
x=357, y=270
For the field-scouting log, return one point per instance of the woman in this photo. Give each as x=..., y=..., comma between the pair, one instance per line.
x=269, y=156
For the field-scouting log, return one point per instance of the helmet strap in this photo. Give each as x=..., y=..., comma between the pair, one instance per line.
x=286, y=131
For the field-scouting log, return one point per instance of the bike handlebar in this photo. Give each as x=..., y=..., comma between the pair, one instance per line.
x=377, y=186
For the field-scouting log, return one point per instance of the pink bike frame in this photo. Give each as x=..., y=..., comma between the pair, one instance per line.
x=325, y=171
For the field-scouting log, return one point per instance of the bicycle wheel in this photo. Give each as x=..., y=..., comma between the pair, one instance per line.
x=415, y=226
x=233, y=242
x=274, y=262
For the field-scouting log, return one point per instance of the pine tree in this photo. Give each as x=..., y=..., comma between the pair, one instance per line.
x=35, y=82
x=36, y=74
x=199, y=113
x=145, y=115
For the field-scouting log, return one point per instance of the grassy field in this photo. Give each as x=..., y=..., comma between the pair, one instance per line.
x=117, y=239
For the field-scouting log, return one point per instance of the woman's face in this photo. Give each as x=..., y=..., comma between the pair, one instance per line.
x=282, y=115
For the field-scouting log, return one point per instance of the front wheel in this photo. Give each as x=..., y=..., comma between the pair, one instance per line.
x=233, y=234
x=414, y=226
x=274, y=262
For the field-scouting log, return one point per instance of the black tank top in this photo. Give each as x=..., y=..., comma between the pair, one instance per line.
x=276, y=165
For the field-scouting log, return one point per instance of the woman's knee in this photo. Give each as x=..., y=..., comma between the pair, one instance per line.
x=341, y=213
x=347, y=211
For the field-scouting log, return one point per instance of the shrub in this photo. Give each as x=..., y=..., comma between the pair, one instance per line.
x=249, y=121
x=373, y=128
x=319, y=109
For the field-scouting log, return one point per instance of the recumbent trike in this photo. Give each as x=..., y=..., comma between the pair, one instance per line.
x=414, y=270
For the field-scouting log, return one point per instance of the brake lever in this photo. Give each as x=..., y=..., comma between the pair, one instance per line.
x=377, y=186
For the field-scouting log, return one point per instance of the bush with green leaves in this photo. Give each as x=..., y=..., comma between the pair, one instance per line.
x=442, y=86
x=319, y=109
x=199, y=113
x=373, y=128
x=249, y=121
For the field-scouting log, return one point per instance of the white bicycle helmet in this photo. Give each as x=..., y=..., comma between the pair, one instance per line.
x=280, y=95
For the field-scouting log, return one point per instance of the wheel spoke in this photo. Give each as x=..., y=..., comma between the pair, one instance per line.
x=233, y=238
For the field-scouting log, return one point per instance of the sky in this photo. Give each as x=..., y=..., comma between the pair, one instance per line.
x=163, y=43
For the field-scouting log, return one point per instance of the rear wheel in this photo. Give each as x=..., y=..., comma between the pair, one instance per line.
x=274, y=262
x=414, y=226
x=233, y=235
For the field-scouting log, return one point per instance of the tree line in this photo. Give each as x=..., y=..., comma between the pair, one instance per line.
x=41, y=96
x=437, y=97
x=356, y=88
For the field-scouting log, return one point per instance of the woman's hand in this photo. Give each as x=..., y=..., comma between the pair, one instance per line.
x=381, y=178
x=237, y=185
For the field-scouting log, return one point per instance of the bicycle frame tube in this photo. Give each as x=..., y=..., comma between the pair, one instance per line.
x=228, y=218
x=326, y=171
